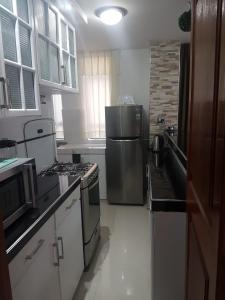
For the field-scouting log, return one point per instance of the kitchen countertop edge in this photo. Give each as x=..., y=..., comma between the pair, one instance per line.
x=17, y=246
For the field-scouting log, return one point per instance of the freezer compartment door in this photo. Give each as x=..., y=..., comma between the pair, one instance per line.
x=124, y=166
x=123, y=121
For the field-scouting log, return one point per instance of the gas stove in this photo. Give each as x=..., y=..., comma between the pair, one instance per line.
x=87, y=171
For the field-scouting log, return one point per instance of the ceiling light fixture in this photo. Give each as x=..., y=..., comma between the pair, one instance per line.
x=111, y=15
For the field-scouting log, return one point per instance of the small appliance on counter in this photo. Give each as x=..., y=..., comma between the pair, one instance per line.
x=158, y=143
x=17, y=189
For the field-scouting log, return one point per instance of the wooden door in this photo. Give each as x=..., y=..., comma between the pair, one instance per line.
x=219, y=187
x=203, y=210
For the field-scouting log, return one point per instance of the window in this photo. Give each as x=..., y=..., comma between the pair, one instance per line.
x=57, y=105
x=96, y=80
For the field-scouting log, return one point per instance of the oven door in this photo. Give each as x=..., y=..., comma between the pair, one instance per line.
x=90, y=209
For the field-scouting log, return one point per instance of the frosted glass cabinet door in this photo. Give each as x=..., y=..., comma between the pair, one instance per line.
x=66, y=69
x=73, y=72
x=44, y=59
x=8, y=36
x=22, y=10
x=64, y=35
x=54, y=63
x=53, y=30
x=41, y=16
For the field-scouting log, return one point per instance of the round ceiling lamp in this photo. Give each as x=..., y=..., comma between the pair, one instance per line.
x=111, y=15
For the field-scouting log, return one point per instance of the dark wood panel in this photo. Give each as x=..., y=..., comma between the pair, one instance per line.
x=199, y=279
x=202, y=211
x=203, y=105
x=207, y=239
x=5, y=288
x=219, y=192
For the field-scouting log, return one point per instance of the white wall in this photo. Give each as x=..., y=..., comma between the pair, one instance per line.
x=134, y=75
x=131, y=76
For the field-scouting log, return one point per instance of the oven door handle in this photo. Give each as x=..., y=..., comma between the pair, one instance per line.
x=93, y=185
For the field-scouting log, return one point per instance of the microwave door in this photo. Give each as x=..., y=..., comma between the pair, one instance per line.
x=12, y=199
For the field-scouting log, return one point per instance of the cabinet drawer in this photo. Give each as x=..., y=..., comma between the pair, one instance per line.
x=65, y=209
x=42, y=241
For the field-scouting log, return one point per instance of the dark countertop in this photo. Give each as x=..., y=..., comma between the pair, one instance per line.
x=167, y=182
x=51, y=192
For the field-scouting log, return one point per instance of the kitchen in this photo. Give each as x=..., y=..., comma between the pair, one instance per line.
x=99, y=160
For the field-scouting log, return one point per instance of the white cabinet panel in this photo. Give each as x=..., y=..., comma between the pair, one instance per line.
x=32, y=272
x=70, y=243
x=100, y=160
x=65, y=209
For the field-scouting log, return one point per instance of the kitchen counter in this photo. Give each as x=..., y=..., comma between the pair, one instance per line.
x=172, y=140
x=51, y=192
x=167, y=182
x=82, y=149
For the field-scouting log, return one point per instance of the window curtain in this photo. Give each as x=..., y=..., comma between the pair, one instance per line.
x=57, y=105
x=96, y=86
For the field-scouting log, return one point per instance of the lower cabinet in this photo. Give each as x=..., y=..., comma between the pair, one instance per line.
x=69, y=238
x=34, y=272
x=51, y=264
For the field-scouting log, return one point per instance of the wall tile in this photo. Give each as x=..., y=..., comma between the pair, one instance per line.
x=164, y=84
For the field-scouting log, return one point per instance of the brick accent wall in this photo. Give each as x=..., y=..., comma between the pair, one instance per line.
x=164, y=84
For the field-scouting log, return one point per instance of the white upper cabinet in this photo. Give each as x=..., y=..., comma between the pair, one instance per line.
x=18, y=77
x=56, y=50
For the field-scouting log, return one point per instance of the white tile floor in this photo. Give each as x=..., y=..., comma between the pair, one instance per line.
x=121, y=267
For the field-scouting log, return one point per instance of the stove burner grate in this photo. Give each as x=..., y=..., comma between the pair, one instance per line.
x=69, y=169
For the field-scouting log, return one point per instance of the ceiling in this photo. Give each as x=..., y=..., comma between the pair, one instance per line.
x=147, y=21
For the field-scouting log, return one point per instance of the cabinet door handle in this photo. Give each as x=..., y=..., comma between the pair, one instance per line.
x=64, y=74
x=35, y=251
x=5, y=94
x=8, y=95
x=56, y=253
x=61, y=256
x=72, y=204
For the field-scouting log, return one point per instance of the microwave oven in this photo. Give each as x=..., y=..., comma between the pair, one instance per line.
x=17, y=189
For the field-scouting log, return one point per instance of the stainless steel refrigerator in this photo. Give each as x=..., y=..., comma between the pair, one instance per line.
x=124, y=154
